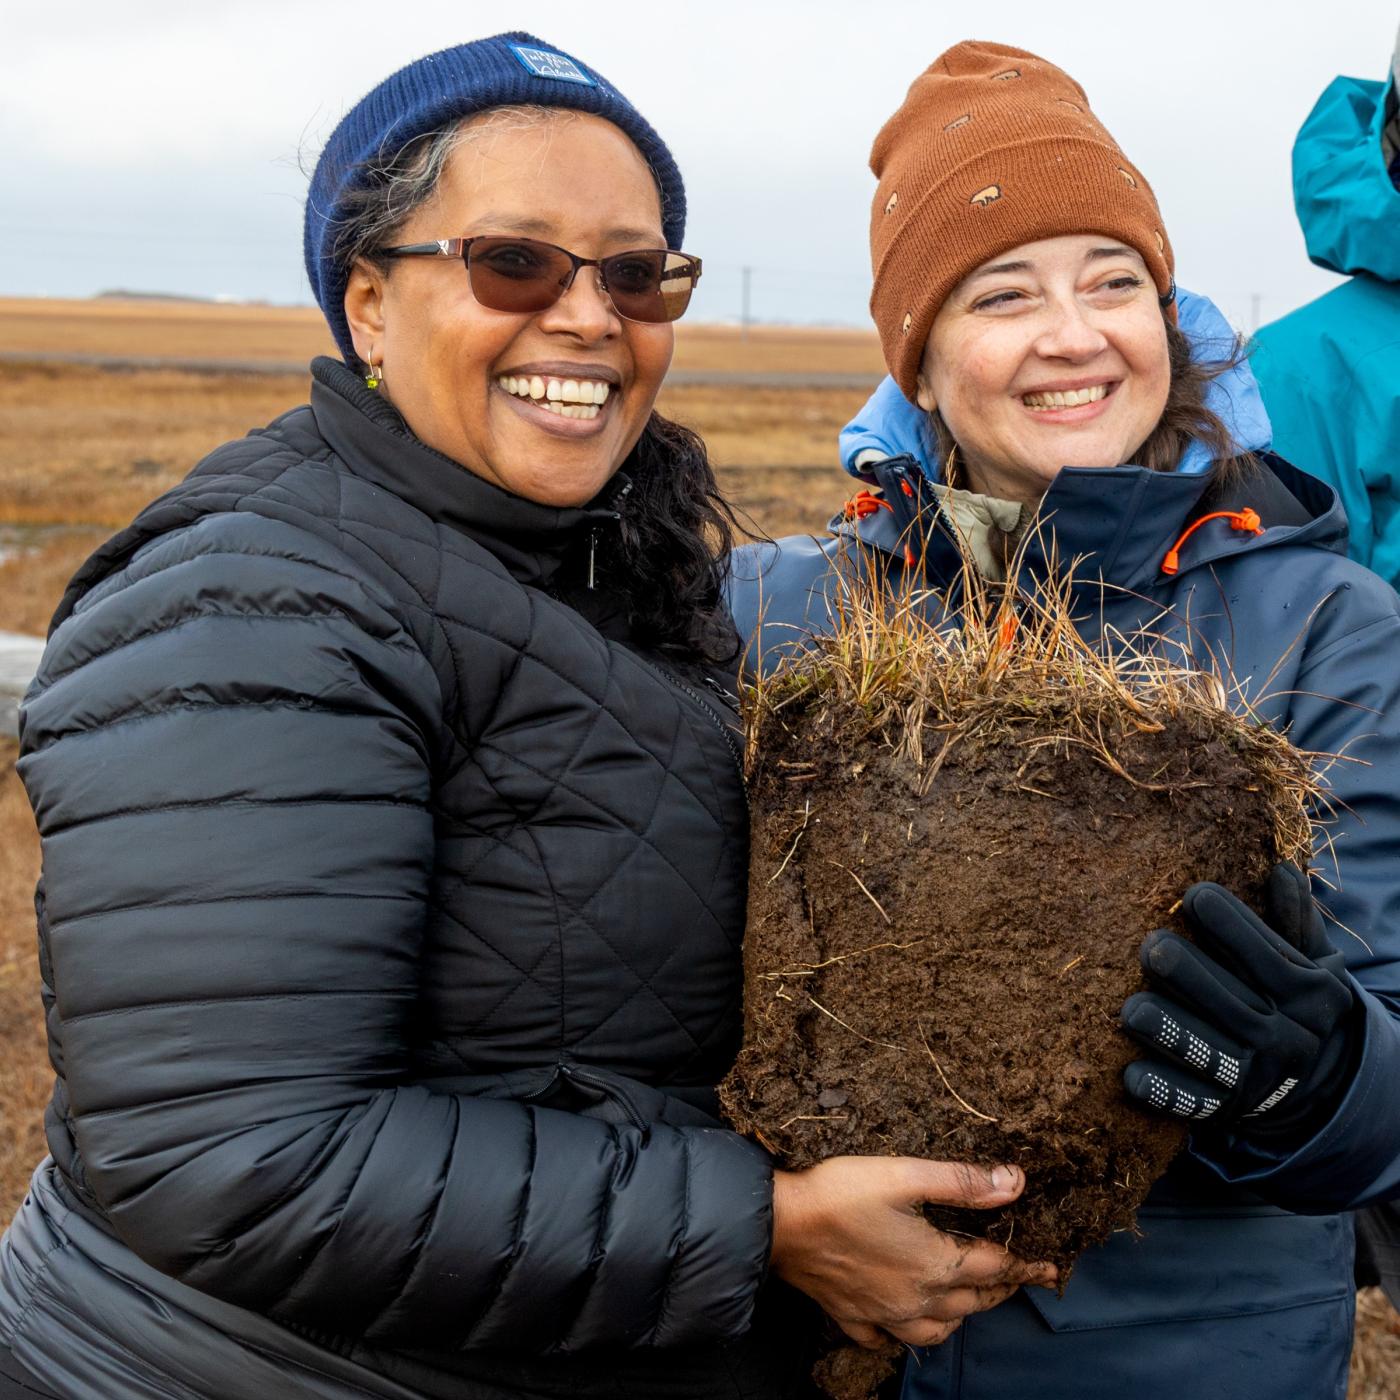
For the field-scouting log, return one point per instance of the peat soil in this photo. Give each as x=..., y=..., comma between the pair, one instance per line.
x=936, y=969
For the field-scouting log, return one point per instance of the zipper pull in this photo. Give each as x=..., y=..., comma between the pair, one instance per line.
x=592, y=553
x=724, y=694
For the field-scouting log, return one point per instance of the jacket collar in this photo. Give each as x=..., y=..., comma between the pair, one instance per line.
x=1117, y=523
x=372, y=440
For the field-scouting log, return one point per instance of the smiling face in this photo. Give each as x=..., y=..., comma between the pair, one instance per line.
x=1050, y=355
x=475, y=383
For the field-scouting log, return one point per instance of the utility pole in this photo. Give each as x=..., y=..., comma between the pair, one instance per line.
x=744, y=314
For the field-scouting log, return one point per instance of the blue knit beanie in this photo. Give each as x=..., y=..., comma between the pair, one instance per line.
x=433, y=92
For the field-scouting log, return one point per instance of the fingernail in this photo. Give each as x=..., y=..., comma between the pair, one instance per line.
x=1003, y=1178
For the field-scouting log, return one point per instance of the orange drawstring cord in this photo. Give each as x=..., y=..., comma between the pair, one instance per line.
x=1246, y=519
x=862, y=504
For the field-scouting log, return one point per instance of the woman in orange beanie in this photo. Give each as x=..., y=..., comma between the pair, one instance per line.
x=1025, y=298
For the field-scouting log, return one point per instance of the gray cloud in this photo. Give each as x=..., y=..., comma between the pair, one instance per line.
x=157, y=145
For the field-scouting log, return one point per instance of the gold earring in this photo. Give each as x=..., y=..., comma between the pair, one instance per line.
x=375, y=377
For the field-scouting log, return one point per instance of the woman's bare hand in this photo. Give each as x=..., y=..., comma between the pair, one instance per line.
x=848, y=1232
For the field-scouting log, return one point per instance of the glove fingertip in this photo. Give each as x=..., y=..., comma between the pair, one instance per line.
x=1132, y=1006
x=1139, y=1079
x=1195, y=903
x=1150, y=945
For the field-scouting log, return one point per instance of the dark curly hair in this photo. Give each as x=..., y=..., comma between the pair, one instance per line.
x=672, y=551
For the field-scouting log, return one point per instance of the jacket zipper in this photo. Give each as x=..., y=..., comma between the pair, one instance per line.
x=726, y=731
x=622, y=495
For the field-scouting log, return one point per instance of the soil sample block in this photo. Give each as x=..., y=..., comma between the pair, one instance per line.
x=960, y=839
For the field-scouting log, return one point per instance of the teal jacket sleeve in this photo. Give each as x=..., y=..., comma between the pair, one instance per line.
x=1330, y=375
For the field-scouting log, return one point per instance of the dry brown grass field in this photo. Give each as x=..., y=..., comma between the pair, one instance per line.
x=293, y=334
x=83, y=449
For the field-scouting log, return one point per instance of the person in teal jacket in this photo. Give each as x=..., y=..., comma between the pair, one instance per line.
x=1330, y=371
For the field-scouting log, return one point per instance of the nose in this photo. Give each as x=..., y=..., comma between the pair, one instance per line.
x=1069, y=333
x=584, y=311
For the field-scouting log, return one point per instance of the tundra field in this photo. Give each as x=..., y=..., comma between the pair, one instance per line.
x=85, y=443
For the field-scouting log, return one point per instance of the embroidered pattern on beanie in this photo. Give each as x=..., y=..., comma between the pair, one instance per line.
x=545, y=63
x=985, y=197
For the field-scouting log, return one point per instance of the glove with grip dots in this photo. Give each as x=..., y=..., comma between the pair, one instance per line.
x=1250, y=1027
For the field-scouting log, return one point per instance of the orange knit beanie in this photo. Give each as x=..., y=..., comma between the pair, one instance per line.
x=992, y=148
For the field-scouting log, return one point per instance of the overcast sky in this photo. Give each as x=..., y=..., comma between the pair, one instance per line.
x=158, y=146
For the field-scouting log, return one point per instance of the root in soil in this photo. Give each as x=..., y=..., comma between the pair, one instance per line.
x=962, y=831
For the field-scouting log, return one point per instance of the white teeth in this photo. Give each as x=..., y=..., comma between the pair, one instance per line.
x=585, y=393
x=1067, y=398
x=570, y=410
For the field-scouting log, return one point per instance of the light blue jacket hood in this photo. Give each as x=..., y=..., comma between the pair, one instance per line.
x=1346, y=202
x=891, y=425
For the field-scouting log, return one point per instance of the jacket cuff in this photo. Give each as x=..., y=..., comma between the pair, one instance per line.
x=729, y=1236
x=1351, y=1158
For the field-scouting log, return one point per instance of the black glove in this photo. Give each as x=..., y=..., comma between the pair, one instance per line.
x=1249, y=1027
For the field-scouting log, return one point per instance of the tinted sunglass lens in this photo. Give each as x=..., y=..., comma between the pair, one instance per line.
x=517, y=274
x=649, y=286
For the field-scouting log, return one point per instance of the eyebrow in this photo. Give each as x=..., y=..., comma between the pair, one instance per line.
x=504, y=223
x=1116, y=251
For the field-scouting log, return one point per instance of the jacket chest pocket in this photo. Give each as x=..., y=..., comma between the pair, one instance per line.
x=1250, y=1304
x=1199, y=1264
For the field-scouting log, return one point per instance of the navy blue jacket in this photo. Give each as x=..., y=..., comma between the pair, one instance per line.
x=1240, y=1284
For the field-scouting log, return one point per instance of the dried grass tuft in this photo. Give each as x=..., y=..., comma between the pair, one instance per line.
x=1375, y=1360
x=920, y=672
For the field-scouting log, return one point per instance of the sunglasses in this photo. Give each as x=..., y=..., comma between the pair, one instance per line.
x=523, y=275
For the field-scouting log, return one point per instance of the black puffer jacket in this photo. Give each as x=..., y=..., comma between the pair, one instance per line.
x=391, y=923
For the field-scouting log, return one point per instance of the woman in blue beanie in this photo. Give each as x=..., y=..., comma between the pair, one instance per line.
x=395, y=844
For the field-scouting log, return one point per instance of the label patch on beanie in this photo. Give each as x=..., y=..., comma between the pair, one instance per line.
x=545, y=63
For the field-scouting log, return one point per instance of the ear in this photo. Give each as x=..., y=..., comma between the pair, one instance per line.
x=365, y=311
x=923, y=393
